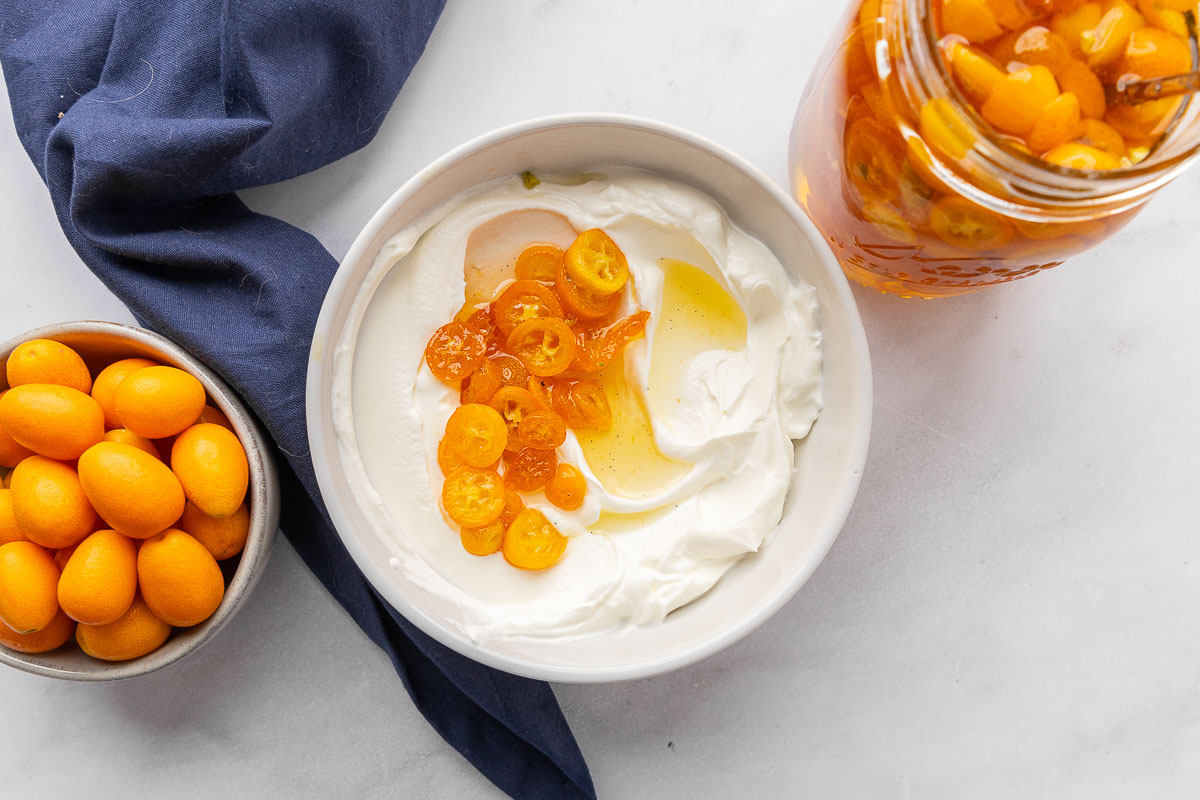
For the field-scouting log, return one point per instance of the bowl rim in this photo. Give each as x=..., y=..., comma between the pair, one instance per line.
x=264, y=515
x=324, y=451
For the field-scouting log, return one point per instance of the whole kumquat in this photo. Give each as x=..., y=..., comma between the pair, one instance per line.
x=156, y=402
x=53, y=421
x=135, y=634
x=100, y=579
x=224, y=537
x=47, y=361
x=134, y=492
x=104, y=390
x=28, y=587
x=10, y=531
x=51, y=637
x=179, y=579
x=50, y=503
x=211, y=465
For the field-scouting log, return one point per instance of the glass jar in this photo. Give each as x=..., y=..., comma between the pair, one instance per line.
x=918, y=195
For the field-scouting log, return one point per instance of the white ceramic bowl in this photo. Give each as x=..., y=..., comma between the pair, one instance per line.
x=829, y=462
x=101, y=343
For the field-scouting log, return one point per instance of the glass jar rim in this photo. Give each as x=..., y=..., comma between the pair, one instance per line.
x=1120, y=186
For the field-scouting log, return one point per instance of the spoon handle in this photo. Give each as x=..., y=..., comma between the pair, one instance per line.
x=1136, y=92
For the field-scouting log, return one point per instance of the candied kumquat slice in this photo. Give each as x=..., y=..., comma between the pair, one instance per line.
x=597, y=347
x=1080, y=156
x=484, y=540
x=870, y=161
x=1101, y=136
x=476, y=316
x=524, y=301
x=581, y=404
x=944, y=129
x=596, y=264
x=532, y=542
x=528, y=469
x=1014, y=14
x=481, y=320
x=868, y=13
x=1167, y=15
x=546, y=346
x=890, y=223
x=539, y=262
x=513, y=404
x=512, y=371
x=540, y=389
x=1105, y=43
x=1058, y=123
x=1015, y=102
x=473, y=497
x=1151, y=53
x=971, y=19
x=467, y=311
x=581, y=303
x=476, y=434
x=455, y=350
x=589, y=346
x=1055, y=6
x=448, y=460
x=975, y=71
x=542, y=430
x=482, y=384
x=1035, y=45
x=961, y=223
x=1070, y=24
x=1144, y=121
x=567, y=488
x=1076, y=77
x=513, y=505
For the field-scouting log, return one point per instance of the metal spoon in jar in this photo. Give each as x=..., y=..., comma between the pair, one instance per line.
x=1132, y=89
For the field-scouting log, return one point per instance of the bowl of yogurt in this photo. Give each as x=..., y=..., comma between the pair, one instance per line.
x=739, y=424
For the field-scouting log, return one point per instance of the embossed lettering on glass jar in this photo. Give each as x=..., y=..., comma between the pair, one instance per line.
x=918, y=194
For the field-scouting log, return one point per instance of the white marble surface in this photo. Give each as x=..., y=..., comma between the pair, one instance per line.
x=1013, y=608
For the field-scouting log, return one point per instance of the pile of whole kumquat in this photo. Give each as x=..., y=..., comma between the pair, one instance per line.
x=526, y=365
x=1037, y=69
x=123, y=494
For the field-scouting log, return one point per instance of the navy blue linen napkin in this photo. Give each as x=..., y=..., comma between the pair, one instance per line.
x=144, y=117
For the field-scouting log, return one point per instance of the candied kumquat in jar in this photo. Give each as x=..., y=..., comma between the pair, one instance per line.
x=941, y=131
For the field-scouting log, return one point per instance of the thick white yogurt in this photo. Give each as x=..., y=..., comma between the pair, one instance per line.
x=734, y=421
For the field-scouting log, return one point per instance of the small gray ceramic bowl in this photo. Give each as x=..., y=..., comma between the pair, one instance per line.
x=101, y=343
